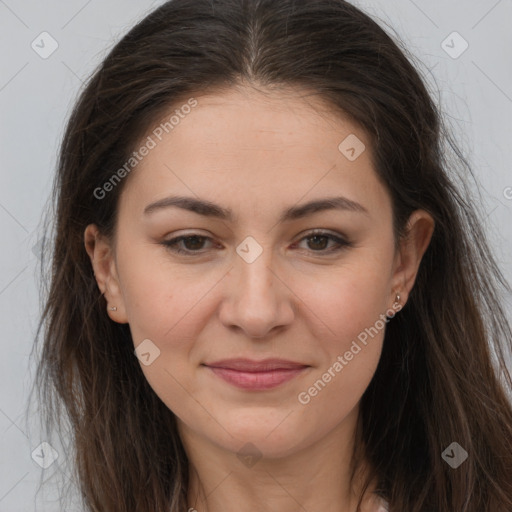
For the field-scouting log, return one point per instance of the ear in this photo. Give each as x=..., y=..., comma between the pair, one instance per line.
x=101, y=253
x=420, y=228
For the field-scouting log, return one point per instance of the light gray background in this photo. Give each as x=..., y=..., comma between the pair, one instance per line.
x=36, y=96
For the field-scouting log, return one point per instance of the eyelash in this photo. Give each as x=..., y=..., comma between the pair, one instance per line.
x=341, y=243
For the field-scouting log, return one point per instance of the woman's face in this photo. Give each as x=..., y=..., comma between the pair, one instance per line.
x=255, y=283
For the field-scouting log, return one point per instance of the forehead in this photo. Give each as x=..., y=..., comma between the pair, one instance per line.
x=256, y=148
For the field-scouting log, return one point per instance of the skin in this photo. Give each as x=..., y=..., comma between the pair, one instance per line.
x=258, y=154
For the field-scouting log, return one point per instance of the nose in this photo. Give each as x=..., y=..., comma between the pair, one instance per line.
x=257, y=300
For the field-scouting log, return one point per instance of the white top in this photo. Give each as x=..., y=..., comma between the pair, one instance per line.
x=383, y=506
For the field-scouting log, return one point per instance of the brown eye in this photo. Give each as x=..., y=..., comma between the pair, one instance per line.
x=192, y=244
x=318, y=241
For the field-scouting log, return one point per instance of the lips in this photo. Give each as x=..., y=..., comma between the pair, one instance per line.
x=251, y=366
x=256, y=375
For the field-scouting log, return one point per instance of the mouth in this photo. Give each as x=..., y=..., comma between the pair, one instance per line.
x=256, y=375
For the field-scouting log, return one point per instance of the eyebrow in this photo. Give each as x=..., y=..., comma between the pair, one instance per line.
x=209, y=209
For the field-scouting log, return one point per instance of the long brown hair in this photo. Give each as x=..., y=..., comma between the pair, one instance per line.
x=442, y=376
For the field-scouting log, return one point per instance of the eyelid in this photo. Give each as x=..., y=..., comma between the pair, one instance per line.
x=171, y=244
x=322, y=232
x=341, y=241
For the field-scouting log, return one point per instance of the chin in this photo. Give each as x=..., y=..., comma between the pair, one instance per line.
x=266, y=436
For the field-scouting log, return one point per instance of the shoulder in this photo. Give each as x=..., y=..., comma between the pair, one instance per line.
x=381, y=505
x=375, y=504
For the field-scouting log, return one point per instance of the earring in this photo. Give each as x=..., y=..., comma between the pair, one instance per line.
x=397, y=299
x=113, y=308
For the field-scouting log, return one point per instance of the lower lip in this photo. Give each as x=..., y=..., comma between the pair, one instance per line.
x=257, y=380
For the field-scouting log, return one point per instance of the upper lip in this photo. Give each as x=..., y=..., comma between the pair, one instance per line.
x=249, y=365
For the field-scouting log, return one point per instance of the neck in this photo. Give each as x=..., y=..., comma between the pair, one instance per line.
x=315, y=478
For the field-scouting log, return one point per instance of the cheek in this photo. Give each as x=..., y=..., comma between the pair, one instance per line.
x=349, y=309
x=169, y=306
x=160, y=298
x=351, y=347
x=352, y=327
x=345, y=301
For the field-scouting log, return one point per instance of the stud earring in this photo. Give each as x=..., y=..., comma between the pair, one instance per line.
x=397, y=299
x=113, y=308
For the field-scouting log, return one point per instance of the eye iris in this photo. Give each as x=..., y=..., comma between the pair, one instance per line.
x=195, y=238
x=316, y=237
